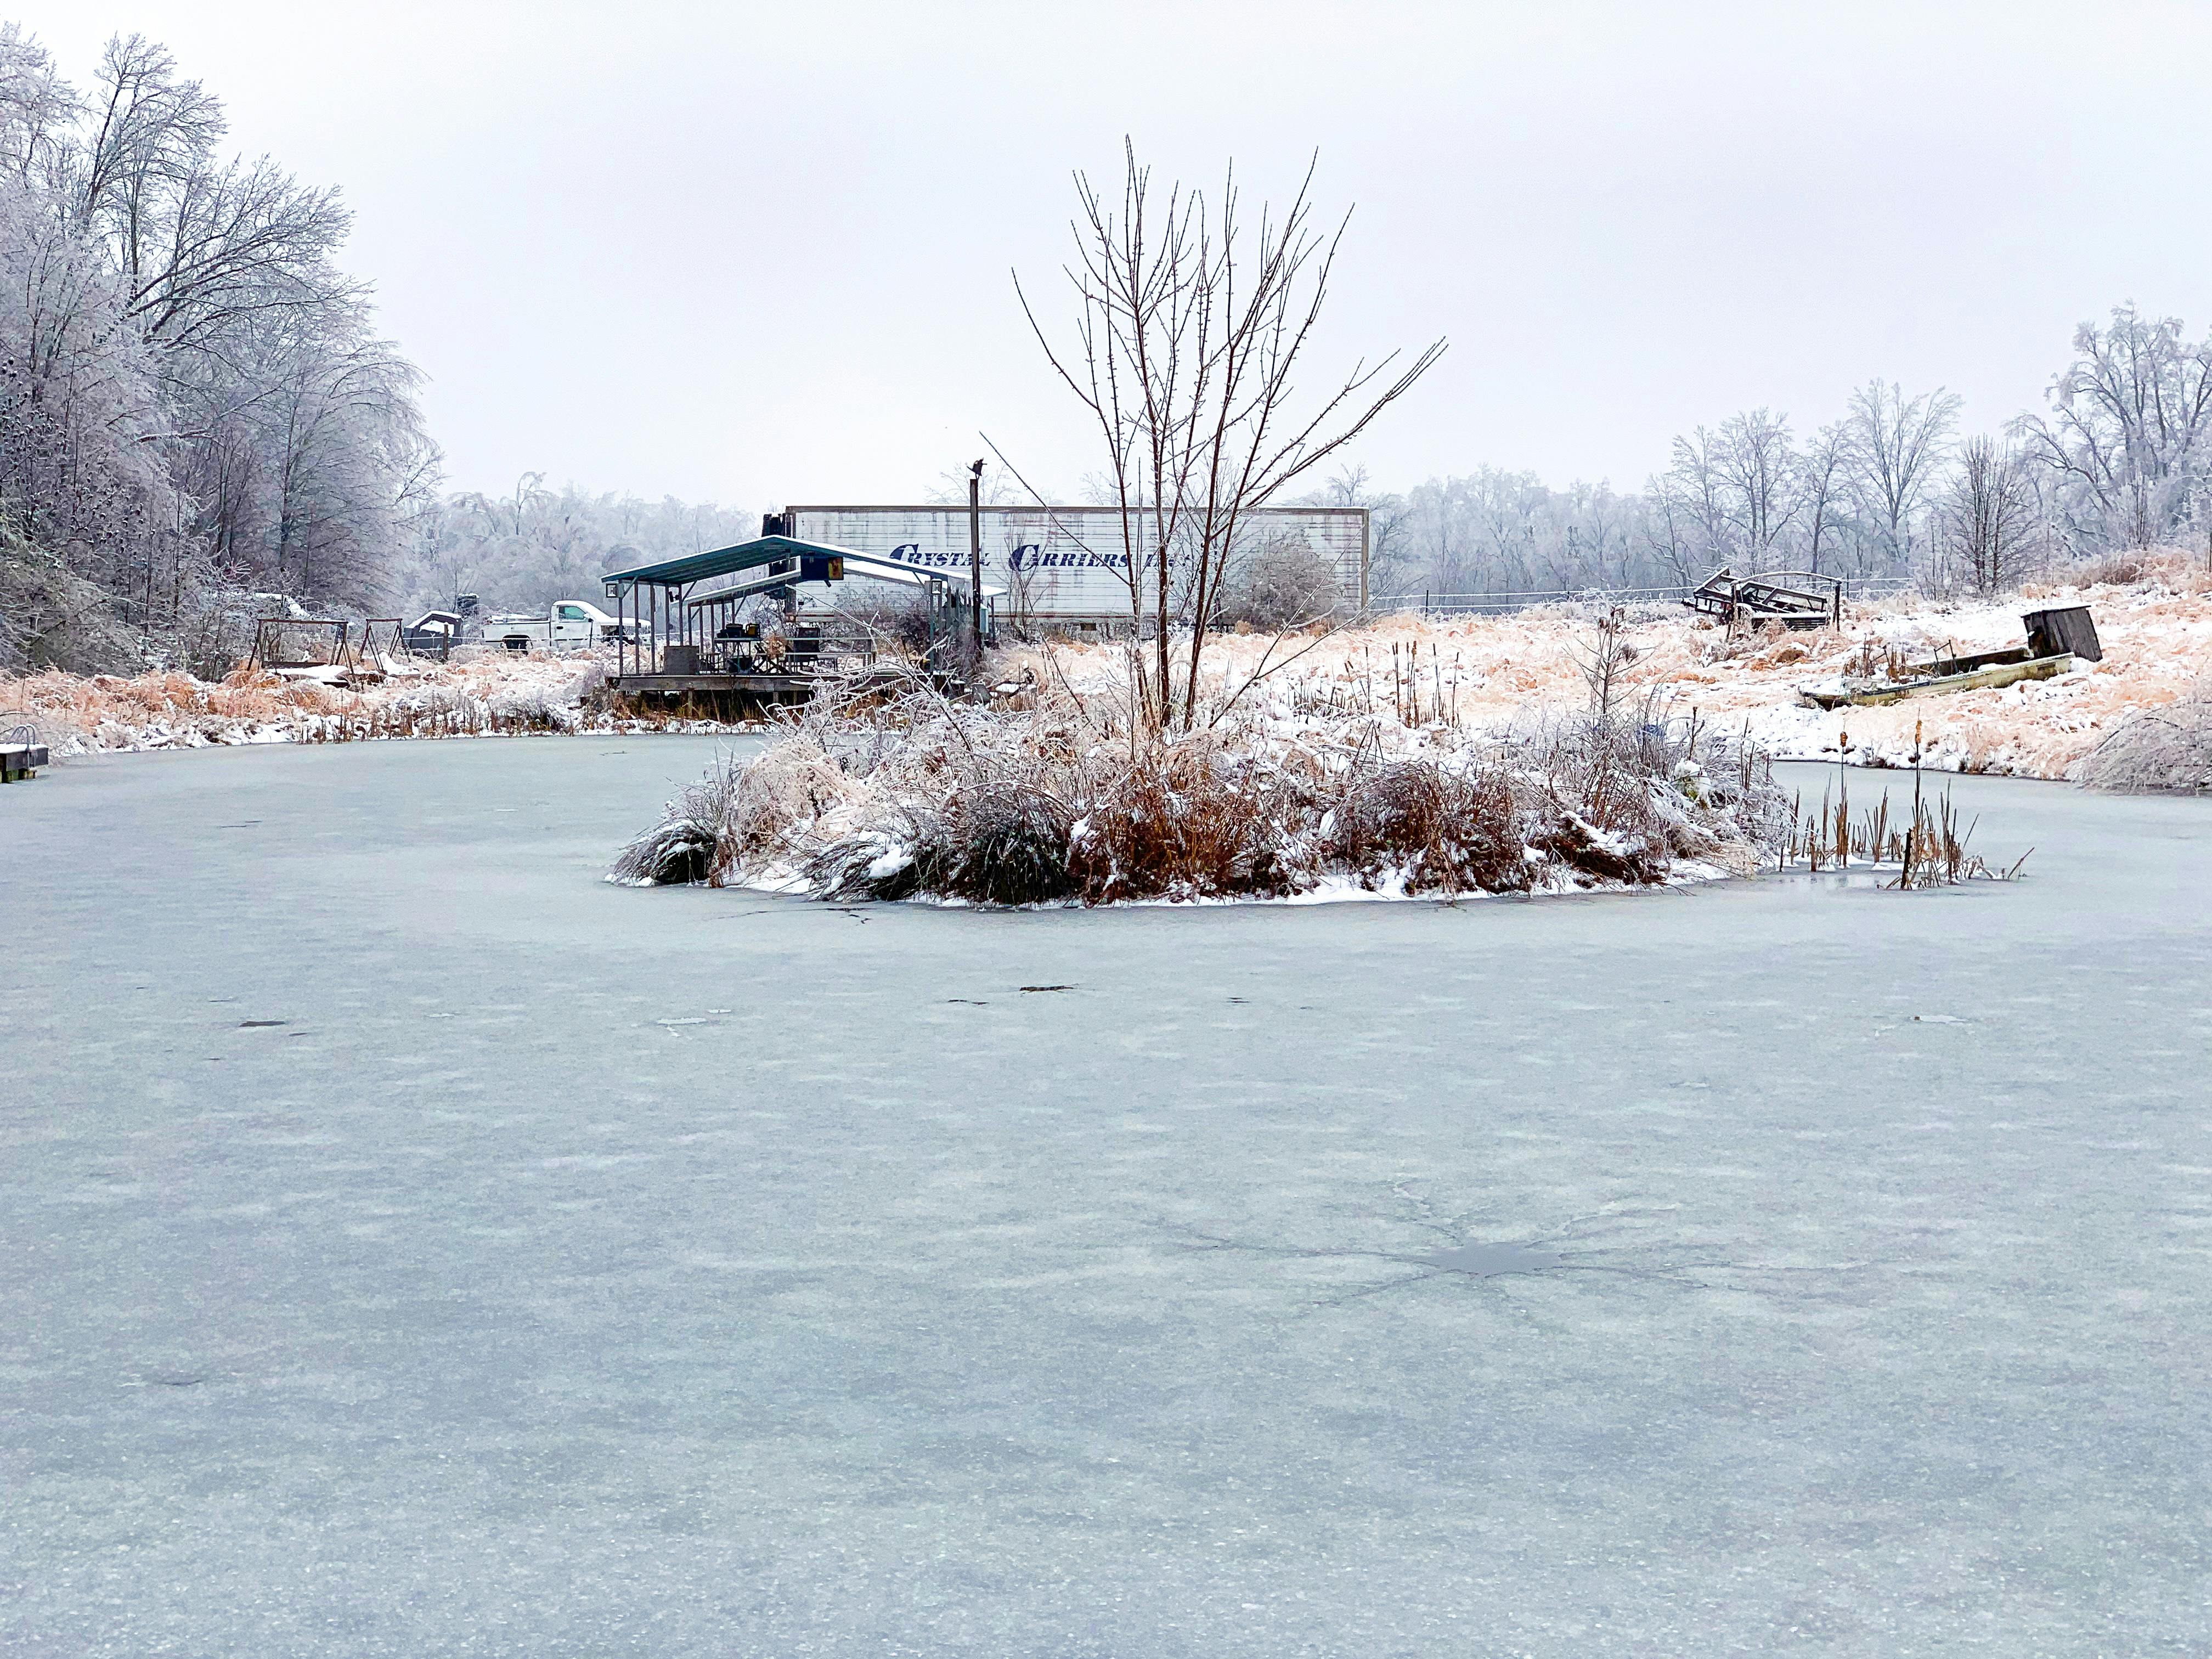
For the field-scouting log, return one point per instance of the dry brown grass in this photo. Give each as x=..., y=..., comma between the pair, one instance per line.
x=2172, y=569
x=1468, y=676
x=1483, y=673
x=1928, y=848
x=500, y=695
x=1057, y=801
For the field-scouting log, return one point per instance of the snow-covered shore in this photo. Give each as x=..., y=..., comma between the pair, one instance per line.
x=495, y=693
x=1403, y=673
x=1488, y=672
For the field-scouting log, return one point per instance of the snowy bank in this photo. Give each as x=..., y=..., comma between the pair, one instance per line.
x=1477, y=674
x=1484, y=673
x=497, y=694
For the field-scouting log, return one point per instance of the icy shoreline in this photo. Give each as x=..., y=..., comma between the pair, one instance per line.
x=1334, y=890
x=1403, y=674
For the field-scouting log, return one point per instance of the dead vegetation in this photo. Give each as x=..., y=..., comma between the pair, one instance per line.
x=498, y=694
x=1469, y=675
x=1062, y=800
x=696, y=837
x=1928, y=849
x=2165, y=750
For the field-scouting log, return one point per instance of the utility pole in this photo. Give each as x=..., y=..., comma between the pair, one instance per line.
x=976, y=555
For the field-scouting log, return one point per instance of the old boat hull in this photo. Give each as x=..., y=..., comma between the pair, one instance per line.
x=1976, y=679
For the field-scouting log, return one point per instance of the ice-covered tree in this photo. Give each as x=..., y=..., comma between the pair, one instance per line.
x=2129, y=434
x=1896, y=448
x=1987, y=515
x=84, y=503
x=193, y=393
x=1824, y=519
x=1758, y=468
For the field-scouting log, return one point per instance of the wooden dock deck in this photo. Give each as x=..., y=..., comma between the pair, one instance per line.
x=738, y=690
x=21, y=760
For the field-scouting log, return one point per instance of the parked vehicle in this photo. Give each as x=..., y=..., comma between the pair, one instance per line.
x=433, y=634
x=567, y=625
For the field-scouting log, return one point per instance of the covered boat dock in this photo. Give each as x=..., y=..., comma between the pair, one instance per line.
x=761, y=622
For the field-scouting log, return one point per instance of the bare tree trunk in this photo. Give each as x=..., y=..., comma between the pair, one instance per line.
x=1184, y=347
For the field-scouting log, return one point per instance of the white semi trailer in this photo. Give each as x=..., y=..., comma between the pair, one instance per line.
x=1066, y=564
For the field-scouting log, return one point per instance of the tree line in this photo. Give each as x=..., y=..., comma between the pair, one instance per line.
x=199, y=422
x=2121, y=458
x=193, y=396
x=521, y=550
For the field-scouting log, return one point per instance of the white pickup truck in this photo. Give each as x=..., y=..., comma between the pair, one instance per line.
x=567, y=625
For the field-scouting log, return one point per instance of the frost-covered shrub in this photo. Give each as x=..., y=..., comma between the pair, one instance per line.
x=878, y=866
x=77, y=624
x=585, y=685
x=2165, y=750
x=893, y=618
x=696, y=839
x=1055, y=802
x=1449, y=829
x=1286, y=584
x=998, y=842
x=1635, y=858
x=784, y=790
x=526, y=711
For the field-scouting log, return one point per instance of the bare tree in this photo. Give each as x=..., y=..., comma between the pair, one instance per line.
x=201, y=244
x=1758, y=472
x=1989, y=515
x=1668, y=527
x=1505, y=508
x=1896, y=448
x=1821, y=474
x=1698, y=481
x=1189, y=329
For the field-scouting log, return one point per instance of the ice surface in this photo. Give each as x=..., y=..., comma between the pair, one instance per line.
x=884, y=1309
x=1488, y=1261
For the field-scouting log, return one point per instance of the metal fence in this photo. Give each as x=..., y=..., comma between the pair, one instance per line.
x=1454, y=605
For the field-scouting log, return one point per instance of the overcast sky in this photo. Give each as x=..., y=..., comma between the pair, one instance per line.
x=760, y=254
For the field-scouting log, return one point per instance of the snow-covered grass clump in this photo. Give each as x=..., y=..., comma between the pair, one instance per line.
x=2161, y=750
x=1053, y=801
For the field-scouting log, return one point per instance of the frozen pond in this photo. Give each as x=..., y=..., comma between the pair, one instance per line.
x=415, y=1247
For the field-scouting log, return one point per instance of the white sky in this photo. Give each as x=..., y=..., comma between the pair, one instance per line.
x=760, y=253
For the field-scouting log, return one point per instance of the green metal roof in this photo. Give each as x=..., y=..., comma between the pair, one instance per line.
x=723, y=562
x=769, y=551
